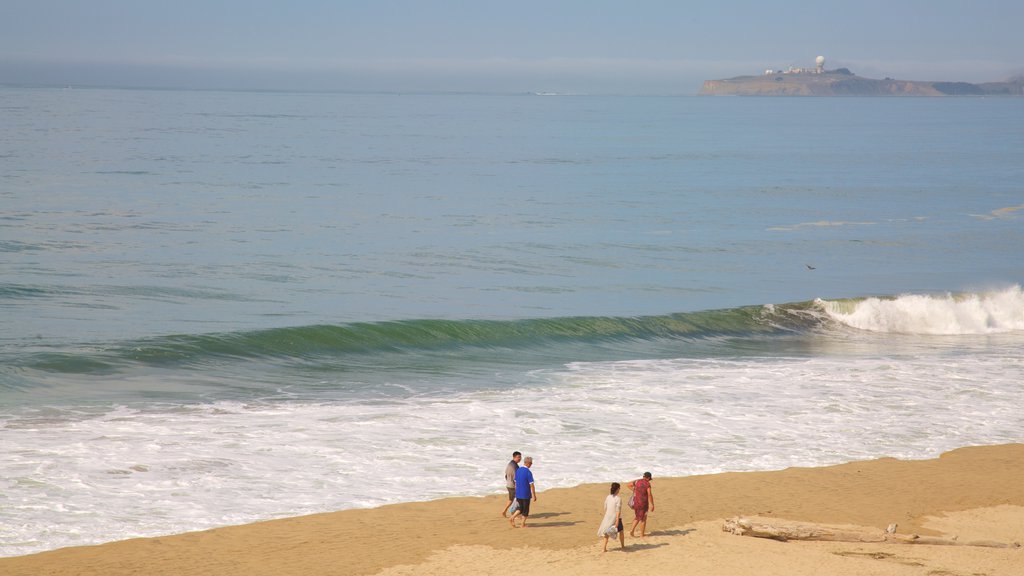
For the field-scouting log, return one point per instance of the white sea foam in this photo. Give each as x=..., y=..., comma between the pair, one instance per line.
x=985, y=313
x=82, y=477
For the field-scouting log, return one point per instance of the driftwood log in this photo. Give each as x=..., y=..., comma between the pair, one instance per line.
x=785, y=530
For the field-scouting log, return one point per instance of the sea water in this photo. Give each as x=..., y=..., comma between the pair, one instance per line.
x=223, y=307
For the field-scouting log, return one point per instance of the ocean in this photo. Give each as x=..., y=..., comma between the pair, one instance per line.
x=225, y=307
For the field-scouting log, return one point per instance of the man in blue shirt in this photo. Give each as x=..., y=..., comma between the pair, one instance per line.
x=524, y=492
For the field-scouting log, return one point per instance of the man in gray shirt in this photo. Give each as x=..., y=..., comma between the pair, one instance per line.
x=510, y=481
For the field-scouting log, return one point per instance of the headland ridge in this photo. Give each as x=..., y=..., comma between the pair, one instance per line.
x=818, y=81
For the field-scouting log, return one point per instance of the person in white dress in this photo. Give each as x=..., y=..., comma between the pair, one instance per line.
x=611, y=524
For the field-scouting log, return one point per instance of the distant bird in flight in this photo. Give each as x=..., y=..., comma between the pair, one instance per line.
x=809, y=267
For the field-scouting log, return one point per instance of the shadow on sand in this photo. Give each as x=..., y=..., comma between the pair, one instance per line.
x=671, y=532
x=630, y=548
x=533, y=521
x=551, y=524
x=641, y=546
x=547, y=515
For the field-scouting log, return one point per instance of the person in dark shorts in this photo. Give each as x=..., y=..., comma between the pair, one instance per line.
x=510, y=481
x=611, y=524
x=525, y=490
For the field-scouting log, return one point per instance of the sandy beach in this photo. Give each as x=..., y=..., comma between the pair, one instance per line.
x=973, y=493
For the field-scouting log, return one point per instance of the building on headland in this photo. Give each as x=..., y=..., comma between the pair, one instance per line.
x=818, y=81
x=819, y=67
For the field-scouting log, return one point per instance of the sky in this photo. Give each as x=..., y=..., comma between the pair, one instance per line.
x=567, y=46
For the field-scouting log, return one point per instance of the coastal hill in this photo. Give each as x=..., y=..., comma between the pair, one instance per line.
x=842, y=82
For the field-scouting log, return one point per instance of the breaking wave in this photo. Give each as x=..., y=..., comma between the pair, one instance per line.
x=948, y=314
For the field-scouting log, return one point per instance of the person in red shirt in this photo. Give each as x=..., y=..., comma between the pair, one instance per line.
x=643, y=502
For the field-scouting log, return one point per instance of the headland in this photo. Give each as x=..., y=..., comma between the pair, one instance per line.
x=817, y=81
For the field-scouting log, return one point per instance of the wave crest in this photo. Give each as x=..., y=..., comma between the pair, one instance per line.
x=949, y=314
x=327, y=343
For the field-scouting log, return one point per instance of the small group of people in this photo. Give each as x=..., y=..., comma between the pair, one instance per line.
x=521, y=492
x=641, y=501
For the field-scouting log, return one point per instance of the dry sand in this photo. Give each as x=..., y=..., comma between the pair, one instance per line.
x=976, y=493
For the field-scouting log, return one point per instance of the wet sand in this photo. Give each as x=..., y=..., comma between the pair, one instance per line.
x=974, y=493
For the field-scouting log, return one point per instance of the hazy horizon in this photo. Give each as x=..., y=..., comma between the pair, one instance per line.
x=596, y=47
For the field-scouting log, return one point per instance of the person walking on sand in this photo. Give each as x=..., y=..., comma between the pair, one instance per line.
x=611, y=524
x=524, y=491
x=510, y=481
x=643, y=502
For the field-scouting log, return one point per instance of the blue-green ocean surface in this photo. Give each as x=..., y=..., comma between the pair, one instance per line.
x=220, y=307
